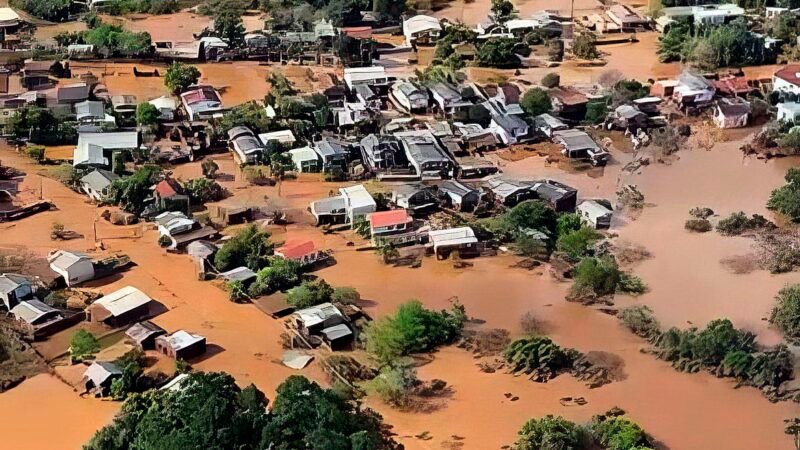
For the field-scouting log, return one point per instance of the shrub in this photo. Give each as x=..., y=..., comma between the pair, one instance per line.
x=738, y=223
x=394, y=384
x=698, y=225
x=584, y=46
x=203, y=190
x=147, y=114
x=551, y=80
x=786, y=313
x=346, y=295
x=786, y=199
x=180, y=76
x=568, y=222
x=530, y=324
x=619, y=433
x=596, y=112
x=82, y=345
x=596, y=276
x=577, y=244
x=631, y=284
x=550, y=433
x=280, y=274
x=164, y=241
x=536, y=101
x=539, y=357
x=309, y=293
x=640, y=320
x=236, y=291
x=35, y=152
x=250, y=247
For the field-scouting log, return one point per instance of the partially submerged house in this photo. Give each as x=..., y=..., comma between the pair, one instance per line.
x=382, y=152
x=628, y=117
x=303, y=252
x=787, y=79
x=37, y=318
x=394, y=227
x=15, y=288
x=120, y=307
x=352, y=203
x=72, y=93
x=731, y=112
x=569, y=102
x=166, y=107
x=333, y=153
x=693, y=91
x=143, y=334
x=326, y=322
x=577, y=144
x=92, y=116
x=124, y=104
x=97, y=183
x=458, y=196
x=305, y=160
x=74, y=267
x=788, y=111
x=509, y=129
x=448, y=99
x=509, y=192
x=706, y=14
x=595, y=213
x=557, y=195
x=242, y=274
x=201, y=102
x=370, y=76
x=244, y=144
x=548, y=124
x=181, y=345
x=414, y=197
x=460, y=239
x=97, y=149
x=425, y=154
x=626, y=18
x=283, y=137
x=421, y=30
x=98, y=377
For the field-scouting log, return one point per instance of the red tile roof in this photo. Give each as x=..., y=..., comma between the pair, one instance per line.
x=388, y=218
x=166, y=188
x=733, y=85
x=295, y=249
x=789, y=73
x=358, y=32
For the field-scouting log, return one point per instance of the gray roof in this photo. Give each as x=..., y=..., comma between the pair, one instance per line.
x=100, y=371
x=238, y=274
x=234, y=132
x=99, y=179
x=143, y=330
x=423, y=148
x=455, y=187
x=337, y=332
x=510, y=123
x=446, y=91
x=331, y=147
x=409, y=89
x=694, y=81
x=90, y=109
x=32, y=310
x=11, y=281
x=364, y=91
x=575, y=139
x=552, y=190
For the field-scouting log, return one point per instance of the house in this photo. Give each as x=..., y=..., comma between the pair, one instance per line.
x=92, y=116
x=568, y=102
x=367, y=96
x=303, y=252
x=74, y=267
x=313, y=320
x=352, y=203
x=201, y=251
x=166, y=107
x=201, y=102
x=421, y=30
x=97, y=183
x=509, y=192
x=382, y=152
x=509, y=129
x=414, y=197
x=410, y=97
x=94, y=149
x=577, y=144
x=370, y=76
x=98, y=377
x=732, y=112
x=70, y=94
x=333, y=153
x=693, y=90
x=448, y=100
x=120, y=307
x=460, y=239
x=458, y=196
x=181, y=345
x=39, y=74
x=559, y=196
x=787, y=80
x=648, y=105
x=788, y=111
x=626, y=18
x=244, y=145
x=508, y=94
x=283, y=137
x=708, y=14
x=595, y=214
x=37, y=317
x=663, y=88
x=627, y=116
x=168, y=194
x=242, y=275
x=143, y=334
x=14, y=288
x=305, y=159
x=474, y=137
x=172, y=223
x=393, y=227
x=124, y=104
x=547, y=124
x=733, y=86
x=424, y=153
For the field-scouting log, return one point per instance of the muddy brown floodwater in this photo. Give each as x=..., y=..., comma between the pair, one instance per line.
x=684, y=411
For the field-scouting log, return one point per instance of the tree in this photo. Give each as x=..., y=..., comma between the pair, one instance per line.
x=35, y=152
x=536, y=101
x=229, y=27
x=147, y=114
x=619, y=433
x=576, y=244
x=529, y=215
x=279, y=275
x=203, y=190
x=551, y=80
x=499, y=52
x=251, y=247
x=52, y=10
x=28, y=119
x=250, y=114
x=82, y=345
x=786, y=199
x=584, y=46
x=346, y=295
x=309, y=293
x=596, y=112
x=394, y=384
x=131, y=193
x=675, y=44
x=549, y=433
x=568, y=222
x=596, y=276
x=180, y=76
x=391, y=9
x=640, y=320
x=626, y=91
x=502, y=10
x=786, y=313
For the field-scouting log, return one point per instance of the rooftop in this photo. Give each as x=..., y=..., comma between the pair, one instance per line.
x=182, y=339
x=389, y=218
x=123, y=300
x=296, y=248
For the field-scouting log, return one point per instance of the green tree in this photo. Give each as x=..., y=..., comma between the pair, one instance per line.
x=675, y=44
x=147, y=114
x=640, y=320
x=499, y=52
x=502, y=10
x=596, y=112
x=52, y=10
x=577, y=244
x=250, y=114
x=229, y=27
x=131, y=193
x=82, y=345
x=28, y=119
x=345, y=295
x=786, y=313
x=585, y=46
x=619, y=433
x=550, y=433
x=536, y=101
x=279, y=275
x=786, y=199
x=596, y=276
x=568, y=222
x=180, y=76
x=250, y=247
x=309, y=293
x=203, y=190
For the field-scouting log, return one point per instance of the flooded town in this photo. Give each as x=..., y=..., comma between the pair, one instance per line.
x=381, y=225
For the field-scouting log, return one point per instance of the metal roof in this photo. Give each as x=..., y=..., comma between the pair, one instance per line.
x=99, y=179
x=182, y=339
x=11, y=281
x=32, y=310
x=64, y=259
x=452, y=236
x=123, y=300
x=318, y=314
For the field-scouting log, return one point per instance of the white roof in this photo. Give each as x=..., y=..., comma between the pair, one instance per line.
x=303, y=154
x=419, y=24
x=88, y=154
x=318, y=314
x=115, y=140
x=175, y=383
x=452, y=236
x=282, y=136
x=356, y=74
x=182, y=339
x=123, y=300
x=64, y=259
x=32, y=310
x=593, y=208
x=8, y=17
x=99, y=371
x=357, y=196
x=164, y=102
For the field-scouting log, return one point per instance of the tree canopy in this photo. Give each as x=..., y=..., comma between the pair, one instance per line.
x=180, y=76
x=536, y=101
x=786, y=199
x=250, y=247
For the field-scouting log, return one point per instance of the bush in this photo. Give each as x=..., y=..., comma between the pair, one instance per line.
x=203, y=190
x=786, y=199
x=640, y=320
x=35, y=152
x=236, y=291
x=631, y=284
x=551, y=80
x=180, y=76
x=82, y=345
x=596, y=276
x=738, y=223
x=536, y=101
x=786, y=313
x=147, y=114
x=577, y=244
x=528, y=215
x=412, y=329
x=619, y=433
x=584, y=46
x=280, y=274
x=346, y=295
x=250, y=247
x=568, y=222
x=550, y=433
x=394, y=384
x=130, y=193
x=539, y=358
x=698, y=225
x=309, y=293
x=596, y=112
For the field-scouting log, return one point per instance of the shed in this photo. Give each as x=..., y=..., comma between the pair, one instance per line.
x=461, y=239
x=201, y=250
x=97, y=183
x=73, y=93
x=305, y=159
x=548, y=124
x=120, y=307
x=559, y=196
x=285, y=137
x=458, y=196
x=316, y=318
x=509, y=192
x=34, y=312
x=732, y=112
x=98, y=377
x=577, y=144
x=14, y=288
x=595, y=213
x=240, y=274
x=337, y=337
x=358, y=200
x=421, y=29
x=143, y=334
x=181, y=345
x=74, y=267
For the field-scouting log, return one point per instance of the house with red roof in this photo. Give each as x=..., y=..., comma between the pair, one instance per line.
x=787, y=79
x=168, y=195
x=301, y=251
x=201, y=102
x=395, y=227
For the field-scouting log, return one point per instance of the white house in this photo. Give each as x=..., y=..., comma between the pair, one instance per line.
x=201, y=102
x=305, y=159
x=410, y=97
x=788, y=111
x=365, y=75
x=244, y=144
x=285, y=137
x=92, y=146
x=421, y=28
x=96, y=184
x=75, y=267
x=166, y=107
x=595, y=213
x=353, y=202
x=787, y=79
